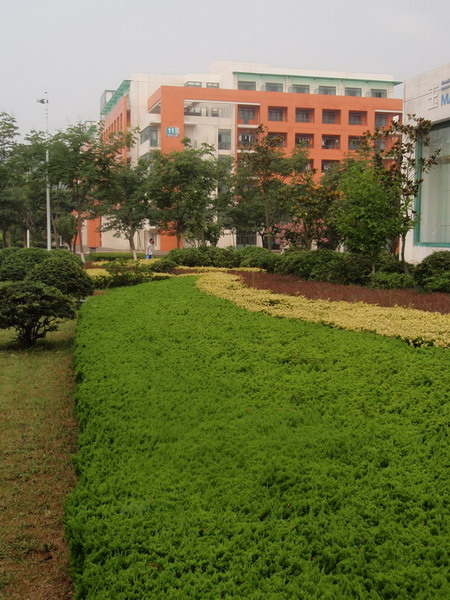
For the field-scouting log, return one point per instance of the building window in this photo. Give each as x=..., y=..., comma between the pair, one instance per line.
x=380, y=120
x=351, y=91
x=328, y=164
x=193, y=110
x=246, y=114
x=246, y=85
x=212, y=84
x=274, y=87
x=245, y=238
x=378, y=93
x=331, y=142
x=300, y=89
x=277, y=114
x=327, y=90
x=354, y=142
x=357, y=118
x=280, y=138
x=380, y=145
x=215, y=112
x=150, y=133
x=224, y=139
x=304, y=115
x=193, y=84
x=246, y=138
x=330, y=117
x=434, y=208
x=304, y=139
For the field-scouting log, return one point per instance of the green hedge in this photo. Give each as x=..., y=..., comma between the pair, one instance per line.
x=228, y=454
x=107, y=256
x=433, y=273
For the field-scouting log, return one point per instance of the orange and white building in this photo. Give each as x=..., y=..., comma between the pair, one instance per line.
x=326, y=111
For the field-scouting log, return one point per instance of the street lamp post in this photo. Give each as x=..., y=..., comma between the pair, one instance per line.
x=48, y=208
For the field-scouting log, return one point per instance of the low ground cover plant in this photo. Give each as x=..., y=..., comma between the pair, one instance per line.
x=228, y=454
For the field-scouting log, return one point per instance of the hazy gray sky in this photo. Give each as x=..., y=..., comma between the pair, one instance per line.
x=76, y=49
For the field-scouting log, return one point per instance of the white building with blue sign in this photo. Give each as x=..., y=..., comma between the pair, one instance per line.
x=428, y=96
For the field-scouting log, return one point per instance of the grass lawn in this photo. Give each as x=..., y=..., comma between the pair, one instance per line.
x=231, y=454
x=37, y=438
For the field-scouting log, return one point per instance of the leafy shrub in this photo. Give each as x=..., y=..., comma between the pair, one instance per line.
x=255, y=256
x=164, y=265
x=119, y=280
x=6, y=252
x=392, y=281
x=65, y=274
x=66, y=254
x=129, y=267
x=33, y=309
x=357, y=269
x=433, y=266
x=318, y=265
x=16, y=265
x=438, y=283
x=189, y=257
x=227, y=258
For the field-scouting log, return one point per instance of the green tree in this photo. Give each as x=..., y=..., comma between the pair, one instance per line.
x=310, y=205
x=84, y=163
x=11, y=201
x=182, y=191
x=366, y=216
x=263, y=174
x=396, y=157
x=124, y=201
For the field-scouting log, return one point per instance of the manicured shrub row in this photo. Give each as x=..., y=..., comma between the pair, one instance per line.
x=414, y=326
x=228, y=454
x=125, y=272
x=108, y=256
x=433, y=274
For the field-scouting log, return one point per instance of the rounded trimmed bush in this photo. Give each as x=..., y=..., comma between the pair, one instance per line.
x=17, y=264
x=64, y=274
x=33, y=309
x=434, y=267
x=257, y=257
x=164, y=265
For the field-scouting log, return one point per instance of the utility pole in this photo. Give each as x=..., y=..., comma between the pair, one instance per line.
x=49, y=224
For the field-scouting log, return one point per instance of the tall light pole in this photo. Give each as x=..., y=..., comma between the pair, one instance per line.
x=49, y=223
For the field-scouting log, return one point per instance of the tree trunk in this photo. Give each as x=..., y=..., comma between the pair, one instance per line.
x=269, y=236
x=79, y=236
x=132, y=246
x=402, y=255
x=55, y=233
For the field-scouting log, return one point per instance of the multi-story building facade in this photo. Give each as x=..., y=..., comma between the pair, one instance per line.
x=326, y=111
x=428, y=96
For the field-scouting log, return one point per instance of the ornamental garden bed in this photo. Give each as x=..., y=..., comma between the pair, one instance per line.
x=320, y=290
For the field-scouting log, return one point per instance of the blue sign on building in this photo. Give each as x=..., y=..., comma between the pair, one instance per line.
x=172, y=131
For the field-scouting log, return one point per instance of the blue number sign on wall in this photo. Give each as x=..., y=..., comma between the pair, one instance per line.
x=172, y=132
